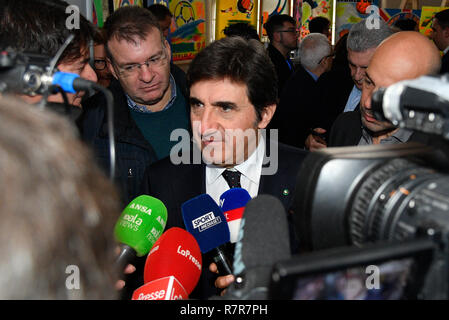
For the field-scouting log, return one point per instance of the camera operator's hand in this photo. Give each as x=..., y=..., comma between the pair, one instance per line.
x=315, y=141
x=128, y=270
x=221, y=282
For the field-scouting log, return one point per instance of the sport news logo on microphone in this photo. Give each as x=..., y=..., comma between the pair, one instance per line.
x=206, y=221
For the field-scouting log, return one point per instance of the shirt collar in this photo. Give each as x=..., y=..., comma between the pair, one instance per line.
x=142, y=109
x=400, y=136
x=313, y=75
x=251, y=168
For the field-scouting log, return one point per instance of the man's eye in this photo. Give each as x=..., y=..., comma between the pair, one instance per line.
x=130, y=67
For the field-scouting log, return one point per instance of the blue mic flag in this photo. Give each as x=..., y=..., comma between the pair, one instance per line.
x=205, y=220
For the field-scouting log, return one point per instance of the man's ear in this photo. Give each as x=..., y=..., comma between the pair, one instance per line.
x=111, y=68
x=267, y=115
x=167, y=49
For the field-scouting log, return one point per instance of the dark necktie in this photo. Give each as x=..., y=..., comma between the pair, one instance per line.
x=232, y=178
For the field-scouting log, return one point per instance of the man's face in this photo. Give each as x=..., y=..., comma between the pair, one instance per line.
x=358, y=62
x=377, y=76
x=224, y=121
x=288, y=36
x=80, y=66
x=146, y=84
x=101, y=66
x=439, y=35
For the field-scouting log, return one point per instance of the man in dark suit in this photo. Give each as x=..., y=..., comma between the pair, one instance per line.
x=281, y=30
x=340, y=93
x=440, y=35
x=298, y=103
x=233, y=98
x=404, y=55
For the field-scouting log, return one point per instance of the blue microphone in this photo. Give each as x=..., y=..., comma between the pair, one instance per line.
x=232, y=203
x=204, y=219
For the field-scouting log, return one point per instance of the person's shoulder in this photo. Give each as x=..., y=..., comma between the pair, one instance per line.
x=350, y=117
x=288, y=153
x=173, y=166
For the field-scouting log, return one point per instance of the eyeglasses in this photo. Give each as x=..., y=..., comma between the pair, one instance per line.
x=328, y=56
x=289, y=31
x=133, y=69
x=99, y=64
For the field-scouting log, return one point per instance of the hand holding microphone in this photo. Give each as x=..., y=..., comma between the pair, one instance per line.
x=139, y=226
x=207, y=223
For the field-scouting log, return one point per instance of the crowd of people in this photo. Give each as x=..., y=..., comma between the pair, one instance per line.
x=58, y=205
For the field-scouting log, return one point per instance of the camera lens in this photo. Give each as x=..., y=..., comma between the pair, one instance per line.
x=388, y=195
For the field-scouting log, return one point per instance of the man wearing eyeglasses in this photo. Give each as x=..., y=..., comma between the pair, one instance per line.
x=148, y=104
x=281, y=30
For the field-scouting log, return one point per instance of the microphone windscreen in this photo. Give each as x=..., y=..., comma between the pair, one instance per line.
x=176, y=253
x=204, y=219
x=264, y=235
x=232, y=203
x=167, y=288
x=141, y=224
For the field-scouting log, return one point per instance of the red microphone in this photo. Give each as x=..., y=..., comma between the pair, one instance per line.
x=167, y=288
x=176, y=253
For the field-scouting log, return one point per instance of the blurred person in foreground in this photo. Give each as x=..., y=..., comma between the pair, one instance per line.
x=57, y=210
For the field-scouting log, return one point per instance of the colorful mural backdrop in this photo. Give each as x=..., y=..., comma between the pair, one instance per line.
x=122, y=3
x=314, y=8
x=188, y=29
x=97, y=13
x=393, y=15
x=273, y=7
x=425, y=23
x=233, y=11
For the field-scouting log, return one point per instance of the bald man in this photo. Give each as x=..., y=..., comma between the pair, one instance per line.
x=402, y=56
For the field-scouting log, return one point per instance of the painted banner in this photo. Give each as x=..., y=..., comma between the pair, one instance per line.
x=97, y=13
x=352, y=11
x=234, y=11
x=311, y=9
x=273, y=7
x=427, y=14
x=122, y=3
x=393, y=15
x=188, y=29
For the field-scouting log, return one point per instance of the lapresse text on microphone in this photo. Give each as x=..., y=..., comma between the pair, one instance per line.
x=173, y=267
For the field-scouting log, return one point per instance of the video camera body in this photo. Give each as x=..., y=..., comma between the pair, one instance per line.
x=389, y=194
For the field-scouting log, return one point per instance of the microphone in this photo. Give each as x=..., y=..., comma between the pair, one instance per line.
x=207, y=223
x=167, y=288
x=175, y=254
x=232, y=203
x=263, y=241
x=139, y=226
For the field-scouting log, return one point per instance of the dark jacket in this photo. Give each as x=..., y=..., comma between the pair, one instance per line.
x=133, y=152
x=175, y=184
x=347, y=131
x=296, y=112
x=283, y=71
x=445, y=64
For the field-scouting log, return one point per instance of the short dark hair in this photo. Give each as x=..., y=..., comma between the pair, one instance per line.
x=128, y=23
x=39, y=26
x=405, y=24
x=443, y=18
x=319, y=25
x=241, y=61
x=160, y=11
x=242, y=29
x=276, y=22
